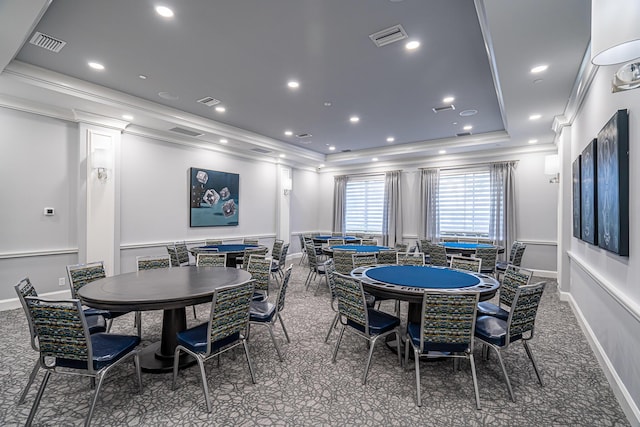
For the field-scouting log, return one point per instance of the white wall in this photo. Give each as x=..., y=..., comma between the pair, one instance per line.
x=603, y=287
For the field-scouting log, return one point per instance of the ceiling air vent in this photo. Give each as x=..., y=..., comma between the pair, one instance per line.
x=304, y=135
x=389, y=35
x=184, y=131
x=261, y=150
x=47, y=42
x=445, y=108
x=463, y=134
x=209, y=101
x=346, y=151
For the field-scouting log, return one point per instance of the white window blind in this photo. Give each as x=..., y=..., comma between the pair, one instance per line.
x=464, y=202
x=364, y=205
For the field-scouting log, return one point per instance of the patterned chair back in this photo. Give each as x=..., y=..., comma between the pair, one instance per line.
x=282, y=292
x=517, y=253
x=351, y=301
x=387, y=256
x=369, y=242
x=311, y=254
x=486, y=241
x=423, y=246
x=81, y=274
x=437, y=255
x=514, y=278
x=260, y=269
x=522, y=316
x=152, y=262
x=61, y=330
x=25, y=289
x=448, y=318
x=336, y=234
x=182, y=252
x=211, y=259
x=282, y=259
x=252, y=251
x=343, y=261
x=229, y=312
x=364, y=259
x=489, y=257
x=173, y=255
x=466, y=263
x=401, y=247
x=276, y=249
x=211, y=242
x=335, y=242
x=405, y=258
x=250, y=241
x=330, y=271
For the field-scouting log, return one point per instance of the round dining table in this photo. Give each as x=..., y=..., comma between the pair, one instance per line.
x=234, y=251
x=467, y=248
x=357, y=248
x=167, y=289
x=325, y=239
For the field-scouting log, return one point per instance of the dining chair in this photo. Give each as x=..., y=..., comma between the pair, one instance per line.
x=211, y=259
x=260, y=269
x=337, y=234
x=515, y=258
x=82, y=274
x=278, y=263
x=334, y=242
x=343, y=260
x=67, y=347
x=364, y=259
x=276, y=248
x=250, y=241
x=365, y=322
x=466, y=263
x=424, y=248
x=486, y=241
x=498, y=334
x=330, y=273
x=488, y=257
x=315, y=267
x=24, y=288
x=302, y=249
x=151, y=262
x=369, y=242
x=266, y=313
x=437, y=255
x=446, y=329
x=467, y=240
x=182, y=253
x=406, y=258
x=173, y=255
x=387, y=256
x=213, y=242
x=258, y=252
x=226, y=329
x=401, y=247
x=513, y=278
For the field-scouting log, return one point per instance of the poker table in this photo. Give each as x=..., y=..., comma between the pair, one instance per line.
x=233, y=251
x=324, y=239
x=356, y=248
x=467, y=248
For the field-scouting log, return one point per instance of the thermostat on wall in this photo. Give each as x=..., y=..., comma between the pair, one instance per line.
x=49, y=211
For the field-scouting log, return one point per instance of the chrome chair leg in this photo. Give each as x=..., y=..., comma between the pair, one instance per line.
x=475, y=379
x=205, y=386
x=36, y=403
x=275, y=343
x=335, y=350
x=504, y=371
x=283, y=328
x=32, y=377
x=87, y=421
x=246, y=353
x=416, y=358
x=333, y=325
x=535, y=366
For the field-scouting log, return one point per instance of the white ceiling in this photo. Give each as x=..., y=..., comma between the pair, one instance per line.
x=243, y=52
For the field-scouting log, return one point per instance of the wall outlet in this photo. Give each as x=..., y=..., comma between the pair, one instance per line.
x=61, y=281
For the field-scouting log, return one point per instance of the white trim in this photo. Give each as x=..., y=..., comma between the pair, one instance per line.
x=12, y=303
x=550, y=274
x=623, y=396
x=539, y=242
x=624, y=301
x=142, y=245
x=26, y=254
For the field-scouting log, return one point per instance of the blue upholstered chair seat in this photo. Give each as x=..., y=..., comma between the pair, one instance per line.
x=489, y=309
x=107, y=349
x=261, y=311
x=493, y=330
x=105, y=313
x=195, y=339
x=96, y=323
x=379, y=322
x=502, y=265
x=413, y=331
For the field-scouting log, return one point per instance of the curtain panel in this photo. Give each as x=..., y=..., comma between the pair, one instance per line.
x=339, y=194
x=429, y=216
x=392, y=214
x=502, y=220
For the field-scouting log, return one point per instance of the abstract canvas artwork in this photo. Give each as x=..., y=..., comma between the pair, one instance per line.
x=214, y=198
x=588, y=194
x=612, y=160
x=575, y=188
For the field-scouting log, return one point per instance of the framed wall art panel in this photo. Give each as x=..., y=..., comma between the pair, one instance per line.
x=214, y=198
x=612, y=160
x=575, y=192
x=588, y=194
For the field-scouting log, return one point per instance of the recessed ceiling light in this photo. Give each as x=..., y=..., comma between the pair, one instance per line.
x=533, y=141
x=467, y=113
x=127, y=117
x=375, y=159
x=535, y=116
x=539, y=68
x=442, y=152
x=282, y=156
x=164, y=11
x=390, y=139
x=327, y=104
x=467, y=127
x=142, y=77
x=293, y=84
x=448, y=99
x=332, y=148
x=321, y=165
x=412, y=45
x=223, y=140
x=288, y=132
x=220, y=109
x=96, y=65
x=354, y=119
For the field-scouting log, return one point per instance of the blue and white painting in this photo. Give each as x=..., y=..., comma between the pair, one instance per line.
x=588, y=194
x=214, y=198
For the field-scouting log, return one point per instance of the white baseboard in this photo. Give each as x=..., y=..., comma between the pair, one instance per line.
x=10, y=304
x=625, y=399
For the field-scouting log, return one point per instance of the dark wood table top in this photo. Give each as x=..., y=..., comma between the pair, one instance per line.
x=159, y=289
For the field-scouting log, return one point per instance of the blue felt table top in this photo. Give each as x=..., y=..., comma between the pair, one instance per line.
x=334, y=237
x=228, y=247
x=461, y=245
x=421, y=277
x=360, y=248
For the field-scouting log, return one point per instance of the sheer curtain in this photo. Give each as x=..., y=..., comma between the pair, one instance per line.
x=339, y=193
x=429, y=217
x=392, y=215
x=502, y=220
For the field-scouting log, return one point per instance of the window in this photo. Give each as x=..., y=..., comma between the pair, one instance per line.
x=364, y=204
x=464, y=202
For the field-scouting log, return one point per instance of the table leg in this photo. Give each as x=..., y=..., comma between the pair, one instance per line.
x=158, y=357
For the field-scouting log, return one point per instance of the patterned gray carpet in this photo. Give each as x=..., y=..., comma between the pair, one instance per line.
x=308, y=390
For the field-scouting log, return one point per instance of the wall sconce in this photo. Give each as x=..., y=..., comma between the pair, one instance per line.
x=287, y=186
x=615, y=33
x=101, y=162
x=552, y=168
x=626, y=78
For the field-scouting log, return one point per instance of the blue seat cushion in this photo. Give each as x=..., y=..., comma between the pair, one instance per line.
x=96, y=323
x=493, y=330
x=261, y=311
x=107, y=349
x=105, y=313
x=195, y=339
x=502, y=265
x=489, y=309
x=379, y=322
x=413, y=331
